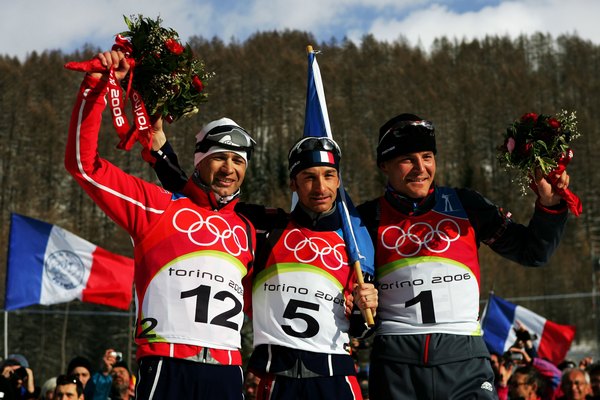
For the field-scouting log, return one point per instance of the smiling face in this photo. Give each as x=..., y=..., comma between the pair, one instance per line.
x=223, y=172
x=574, y=385
x=411, y=174
x=316, y=188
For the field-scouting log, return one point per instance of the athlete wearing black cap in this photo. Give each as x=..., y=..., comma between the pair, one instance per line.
x=428, y=341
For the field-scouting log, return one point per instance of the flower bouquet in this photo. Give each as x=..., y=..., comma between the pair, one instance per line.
x=164, y=79
x=541, y=141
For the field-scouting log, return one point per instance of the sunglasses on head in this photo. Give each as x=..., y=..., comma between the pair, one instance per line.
x=312, y=143
x=398, y=129
x=229, y=137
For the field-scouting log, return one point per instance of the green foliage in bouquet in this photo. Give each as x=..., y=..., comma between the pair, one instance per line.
x=166, y=74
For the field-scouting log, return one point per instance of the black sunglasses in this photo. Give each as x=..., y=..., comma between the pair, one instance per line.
x=311, y=143
x=229, y=137
x=398, y=129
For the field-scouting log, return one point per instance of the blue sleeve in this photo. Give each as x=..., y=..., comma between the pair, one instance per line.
x=103, y=384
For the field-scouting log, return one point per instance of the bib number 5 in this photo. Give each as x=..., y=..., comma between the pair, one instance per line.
x=292, y=311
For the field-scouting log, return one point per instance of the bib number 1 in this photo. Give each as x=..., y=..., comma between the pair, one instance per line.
x=425, y=299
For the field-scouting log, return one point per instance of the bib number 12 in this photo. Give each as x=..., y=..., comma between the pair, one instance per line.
x=202, y=295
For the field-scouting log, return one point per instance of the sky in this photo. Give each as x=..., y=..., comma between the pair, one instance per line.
x=68, y=25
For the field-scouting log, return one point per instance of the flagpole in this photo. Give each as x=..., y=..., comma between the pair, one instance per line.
x=367, y=313
x=5, y=334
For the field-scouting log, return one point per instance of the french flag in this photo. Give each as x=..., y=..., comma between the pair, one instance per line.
x=552, y=340
x=49, y=265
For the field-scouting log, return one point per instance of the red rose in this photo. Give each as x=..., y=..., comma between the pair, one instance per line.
x=174, y=46
x=529, y=117
x=198, y=84
x=525, y=150
x=554, y=124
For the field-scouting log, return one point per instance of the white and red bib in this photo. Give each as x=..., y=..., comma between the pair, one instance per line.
x=427, y=270
x=189, y=289
x=298, y=299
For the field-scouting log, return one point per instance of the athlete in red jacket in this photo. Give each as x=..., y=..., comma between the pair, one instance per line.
x=191, y=252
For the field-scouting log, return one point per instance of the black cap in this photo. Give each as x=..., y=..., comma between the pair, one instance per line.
x=121, y=364
x=313, y=151
x=405, y=133
x=79, y=362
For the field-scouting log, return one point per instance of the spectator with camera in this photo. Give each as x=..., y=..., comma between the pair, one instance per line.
x=16, y=380
x=522, y=353
x=103, y=379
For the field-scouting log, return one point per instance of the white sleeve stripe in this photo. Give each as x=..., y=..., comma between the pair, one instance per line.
x=93, y=182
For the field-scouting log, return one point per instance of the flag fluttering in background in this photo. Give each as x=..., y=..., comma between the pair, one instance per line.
x=501, y=316
x=49, y=265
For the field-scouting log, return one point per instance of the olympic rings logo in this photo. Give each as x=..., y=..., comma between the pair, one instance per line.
x=306, y=249
x=212, y=229
x=421, y=235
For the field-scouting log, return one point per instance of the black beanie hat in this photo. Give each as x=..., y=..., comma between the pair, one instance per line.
x=79, y=362
x=121, y=364
x=313, y=151
x=405, y=133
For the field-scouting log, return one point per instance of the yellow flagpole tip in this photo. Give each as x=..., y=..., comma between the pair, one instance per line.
x=309, y=49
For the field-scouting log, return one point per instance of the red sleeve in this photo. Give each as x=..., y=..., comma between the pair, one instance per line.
x=132, y=203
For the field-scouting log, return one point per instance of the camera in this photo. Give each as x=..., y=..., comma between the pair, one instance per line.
x=515, y=356
x=117, y=355
x=20, y=373
x=510, y=357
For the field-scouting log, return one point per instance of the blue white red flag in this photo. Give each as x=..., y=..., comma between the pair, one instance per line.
x=49, y=265
x=552, y=341
x=316, y=123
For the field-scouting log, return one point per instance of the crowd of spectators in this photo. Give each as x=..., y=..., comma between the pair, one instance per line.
x=113, y=380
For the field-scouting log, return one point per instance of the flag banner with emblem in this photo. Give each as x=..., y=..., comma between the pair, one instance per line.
x=49, y=265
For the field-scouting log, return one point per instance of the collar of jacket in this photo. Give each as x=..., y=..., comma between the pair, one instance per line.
x=327, y=221
x=409, y=206
x=206, y=198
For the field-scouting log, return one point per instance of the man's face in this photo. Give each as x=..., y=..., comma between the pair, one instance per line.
x=520, y=389
x=120, y=377
x=316, y=188
x=67, y=392
x=82, y=373
x=574, y=385
x=223, y=172
x=411, y=174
